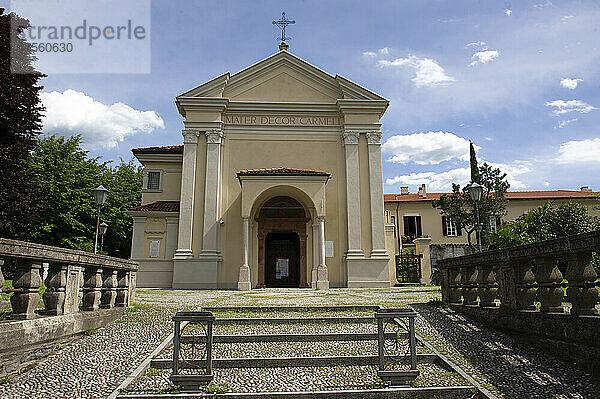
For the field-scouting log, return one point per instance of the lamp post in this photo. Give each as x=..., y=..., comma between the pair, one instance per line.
x=475, y=190
x=103, y=228
x=100, y=194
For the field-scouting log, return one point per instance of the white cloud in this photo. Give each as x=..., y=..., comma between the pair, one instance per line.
x=475, y=44
x=427, y=71
x=383, y=51
x=435, y=181
x=547, y=3
x=426, y=148
x=570, y=83
x=442, y=181
x=579, y=151
x=566, y=18
x=72, y=112
x=563, y=107
x=564, y=123
x=546, y=184
x=369, y=53
x=485, y=56
x=508, y=12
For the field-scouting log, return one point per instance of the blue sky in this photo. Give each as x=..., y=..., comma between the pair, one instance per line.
x=520, y=79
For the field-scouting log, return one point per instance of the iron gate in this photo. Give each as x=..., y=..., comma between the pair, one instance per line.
x=408, y=267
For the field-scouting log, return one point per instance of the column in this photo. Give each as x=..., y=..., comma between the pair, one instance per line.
x=210, y=250
x=188, y=188
x=303, y=282
x=261, y=259
x=350, y=140
x=315, y=249
x=376, y=189
x=244, y=283
x=322, y=276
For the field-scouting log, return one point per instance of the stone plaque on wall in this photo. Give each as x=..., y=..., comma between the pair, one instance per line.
x=329, y=249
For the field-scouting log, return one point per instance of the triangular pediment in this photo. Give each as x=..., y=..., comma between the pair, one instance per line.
x=283, y=77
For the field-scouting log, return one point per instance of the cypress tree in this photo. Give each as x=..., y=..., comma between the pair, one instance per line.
x=474, y=168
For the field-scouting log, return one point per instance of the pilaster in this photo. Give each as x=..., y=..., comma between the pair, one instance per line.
x=350, y=142
x=376, y=190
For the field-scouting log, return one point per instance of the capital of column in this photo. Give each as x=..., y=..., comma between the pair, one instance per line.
x=214, y=136
x=190, y=136
x=350, y=137
x=374, y=137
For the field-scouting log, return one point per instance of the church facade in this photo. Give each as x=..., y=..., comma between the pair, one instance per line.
x=278, y=183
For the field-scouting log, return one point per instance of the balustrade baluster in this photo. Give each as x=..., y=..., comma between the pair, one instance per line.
x=27, y=282
x=548, y=276
x=469, y=285
x=454, y=291
x=92, y=288
x=525, y=291
x=487, y=288
x=1, y=275
x=56, y=283
x=580, y=273
x=109, y=289
x=122, y=288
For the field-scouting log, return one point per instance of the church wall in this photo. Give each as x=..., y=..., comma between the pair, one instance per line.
x=171, y=182
x=254, y=150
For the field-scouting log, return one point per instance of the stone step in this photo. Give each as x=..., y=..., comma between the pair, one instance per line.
x=275, y=362
x=252, y=338
x=454, y=392
x=294, y=320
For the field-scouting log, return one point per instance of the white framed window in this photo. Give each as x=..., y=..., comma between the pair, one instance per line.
x=154, y=248
x=451, y=230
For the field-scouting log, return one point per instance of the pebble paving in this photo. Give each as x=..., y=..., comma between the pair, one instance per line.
x=95, y=364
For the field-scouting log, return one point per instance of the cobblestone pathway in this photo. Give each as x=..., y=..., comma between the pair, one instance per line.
x=94, y=365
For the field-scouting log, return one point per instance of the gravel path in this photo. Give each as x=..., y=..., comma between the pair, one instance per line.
x=94, y=365
x=518, y=370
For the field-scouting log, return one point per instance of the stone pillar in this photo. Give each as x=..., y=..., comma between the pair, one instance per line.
x=56, y=284
x=422, y=248
x=320, y=279
x=376, y=189
x=303, y=282
x=507, y=286
x=350, y=140
x=261, y=259
x=72, y=294
x=122, y=289
x=244, y=282
x=210, y=251
x=1, y=275
x=28, y=281
x=315, y=248
x=132, y=281
x=581, y=275
x=188, y=188
x=549, y=294
x=469, y=285
x=92, y=287
x=109, y=289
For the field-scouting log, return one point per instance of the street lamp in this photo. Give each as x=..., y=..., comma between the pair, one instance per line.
x=100, y=194
x=103, y=228
x=475, y=191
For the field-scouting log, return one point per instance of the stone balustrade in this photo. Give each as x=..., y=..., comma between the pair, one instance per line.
x=520, y=276
x=74, y=278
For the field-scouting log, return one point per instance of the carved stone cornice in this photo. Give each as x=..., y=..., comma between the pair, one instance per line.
x=190, y=136
x=214, y=136
x=350, y=137
x=374, y=137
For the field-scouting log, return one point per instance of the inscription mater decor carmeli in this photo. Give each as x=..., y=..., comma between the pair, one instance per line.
x=294, y=120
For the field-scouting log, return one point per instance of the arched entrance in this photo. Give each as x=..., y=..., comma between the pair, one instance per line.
x=282, y=243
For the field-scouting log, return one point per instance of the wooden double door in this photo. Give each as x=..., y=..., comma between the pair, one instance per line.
x=282, y=260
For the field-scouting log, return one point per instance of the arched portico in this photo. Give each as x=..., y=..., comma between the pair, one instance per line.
x=283, y=201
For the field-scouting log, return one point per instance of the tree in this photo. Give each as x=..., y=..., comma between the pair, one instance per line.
x=543, y=223
x=20, y=123
x=459, y=206
x=473, y=163
x=69, y=221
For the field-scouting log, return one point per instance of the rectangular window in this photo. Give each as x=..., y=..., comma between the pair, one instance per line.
x=412, y=226
x=153, y=181
x=493, y=223
x=393, y=221
x=450, y=228
x=154, y=248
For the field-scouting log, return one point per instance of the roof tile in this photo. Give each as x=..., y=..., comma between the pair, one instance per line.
x=158, y=206
x=514, y=195
x=281, y=172
x=166, y=149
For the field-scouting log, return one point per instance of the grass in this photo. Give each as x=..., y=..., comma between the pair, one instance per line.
x=91, y=331
x=6, y=379
x=7, y=286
